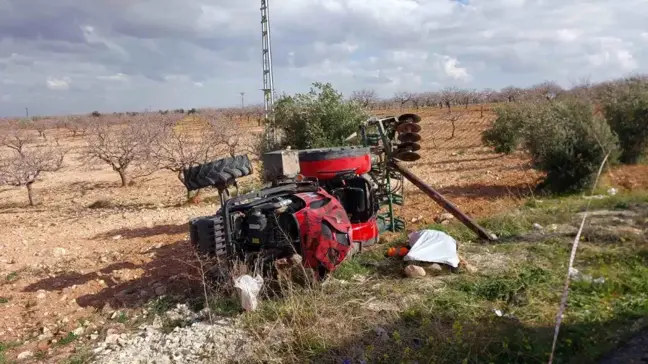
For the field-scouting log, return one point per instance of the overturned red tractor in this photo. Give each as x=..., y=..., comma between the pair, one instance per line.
x=323, y=204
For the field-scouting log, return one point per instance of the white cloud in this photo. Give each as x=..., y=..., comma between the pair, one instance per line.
x=452, y=70
x=567, y=35
x=116, y=77
x=169, y=54
x=626, y=59
x=58, y=83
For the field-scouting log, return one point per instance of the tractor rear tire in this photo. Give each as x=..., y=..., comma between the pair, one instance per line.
x=220, y=173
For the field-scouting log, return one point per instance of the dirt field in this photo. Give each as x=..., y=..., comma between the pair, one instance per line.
x=91, y=247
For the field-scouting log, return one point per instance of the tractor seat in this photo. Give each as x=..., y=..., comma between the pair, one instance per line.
x=355, y=202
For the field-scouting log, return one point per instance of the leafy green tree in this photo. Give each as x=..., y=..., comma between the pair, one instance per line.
x=317, y=119
x=625, y=107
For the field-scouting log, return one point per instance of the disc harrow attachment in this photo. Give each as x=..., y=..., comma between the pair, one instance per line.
x=408, y=129
x=394, y=140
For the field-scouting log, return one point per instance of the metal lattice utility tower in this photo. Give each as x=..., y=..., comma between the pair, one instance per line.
x=268, y=77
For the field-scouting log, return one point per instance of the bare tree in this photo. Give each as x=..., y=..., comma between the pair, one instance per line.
x=511, y=93
x=41, y=126
x=403, y=98
x=449, y=96
x=546, y=90
x=366, y=98
x=125, y=147
x=258, y=113
x=77, y=126
x=16, y=137
x=24, y=168
x=429, y=99
x=177, y=148
x=226, y=133
x=452, y=118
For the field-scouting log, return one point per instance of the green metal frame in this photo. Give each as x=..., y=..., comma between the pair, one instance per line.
x=384, y=176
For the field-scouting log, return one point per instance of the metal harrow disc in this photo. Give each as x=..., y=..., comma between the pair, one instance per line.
x=409, y=146
x=409, y=137
x=407, y=156
x=408, y=127
x=409, y=118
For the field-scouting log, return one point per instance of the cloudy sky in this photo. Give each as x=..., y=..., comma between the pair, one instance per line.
x=75, y=56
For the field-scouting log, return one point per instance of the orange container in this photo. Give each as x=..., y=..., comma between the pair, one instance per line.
x=400, y=251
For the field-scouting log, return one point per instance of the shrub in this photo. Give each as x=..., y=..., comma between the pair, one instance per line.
x=625, y=106
x=320, y=118
x=568, y=142
x=505, y=135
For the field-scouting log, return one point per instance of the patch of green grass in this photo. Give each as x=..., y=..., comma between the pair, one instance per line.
x=553, y=210
x=12, y=277
x=352, y=267
x=67, y=339
x=4, y=346
x=4, y=300
x=224, y=306
x=122, y=317
x=161, y=305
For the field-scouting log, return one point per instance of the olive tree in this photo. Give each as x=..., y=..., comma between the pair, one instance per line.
x=319, y=118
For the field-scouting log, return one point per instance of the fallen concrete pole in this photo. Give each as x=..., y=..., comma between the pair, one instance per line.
x=442, y=201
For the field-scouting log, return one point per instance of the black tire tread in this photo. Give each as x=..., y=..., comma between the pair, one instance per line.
x=220, y=173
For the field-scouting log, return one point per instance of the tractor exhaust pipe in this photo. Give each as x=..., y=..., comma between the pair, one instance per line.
x=442, y=201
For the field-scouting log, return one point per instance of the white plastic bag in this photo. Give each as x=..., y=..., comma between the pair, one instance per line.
x=249, y=289
x=434, y=247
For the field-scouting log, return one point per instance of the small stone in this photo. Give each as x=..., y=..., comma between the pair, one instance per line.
x=112, y=331
x=414, y=271
x=25, y=355
x=446, y=216
x=103, y=259
x=94, y=337
x=160, y=290
x=382, y=334
x=78, y=331
x=117, y=237
x=59, y=252
x=41, y=294
x=537, y=226
x=112, y=339
x=43, y=345
x=436, y=267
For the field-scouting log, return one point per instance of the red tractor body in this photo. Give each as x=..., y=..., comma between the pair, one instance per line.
x=342, y=172
x=325, y=230
x=323, y=216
